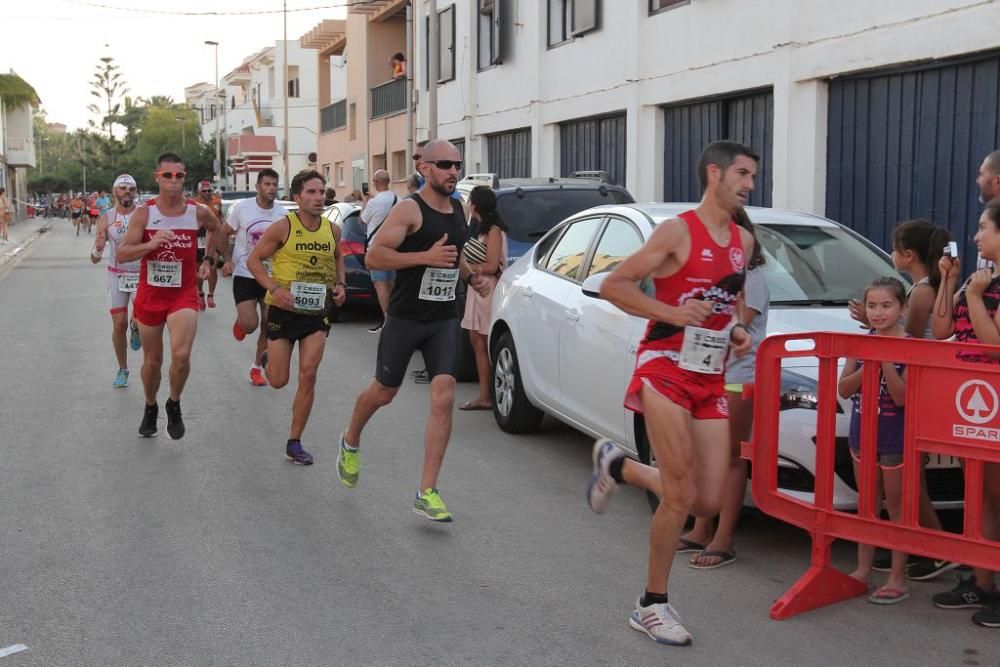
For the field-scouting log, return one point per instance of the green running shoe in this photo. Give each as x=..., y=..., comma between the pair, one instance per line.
x=348, y=464
x=430, y=505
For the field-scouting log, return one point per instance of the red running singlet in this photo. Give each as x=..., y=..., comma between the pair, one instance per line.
x=168, y=274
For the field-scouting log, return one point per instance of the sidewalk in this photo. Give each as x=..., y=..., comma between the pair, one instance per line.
x=22, y=235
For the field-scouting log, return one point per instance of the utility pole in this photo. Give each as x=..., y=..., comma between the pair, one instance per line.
x=218, y=138
x=434, y=68
x=183, y=133
x=284, y=45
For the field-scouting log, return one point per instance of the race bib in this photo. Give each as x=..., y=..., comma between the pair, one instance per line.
x=704, y=350
x=202, y=242
x=267, y=266
x=163, y=274
x=127, y=282
x=309, y=296
x=438, y=284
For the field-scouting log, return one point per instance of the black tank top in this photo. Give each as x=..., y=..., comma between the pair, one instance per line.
x=422, y=292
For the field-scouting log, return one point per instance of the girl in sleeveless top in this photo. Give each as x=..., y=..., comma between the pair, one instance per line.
x=487, y=258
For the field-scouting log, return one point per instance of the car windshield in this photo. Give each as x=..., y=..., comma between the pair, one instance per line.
x=818, y=265
x=533, y=214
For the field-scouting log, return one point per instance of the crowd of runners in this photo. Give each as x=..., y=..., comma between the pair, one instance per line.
x=706, y=319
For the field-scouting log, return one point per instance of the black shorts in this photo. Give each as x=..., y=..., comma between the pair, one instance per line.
x=247, y=289
x=77, y=214
x=437, y=340
x=285, y=325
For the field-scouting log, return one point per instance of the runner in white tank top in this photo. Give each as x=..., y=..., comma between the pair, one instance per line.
x=121, y=276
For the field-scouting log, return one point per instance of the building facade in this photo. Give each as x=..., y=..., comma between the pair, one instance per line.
x=17, y=138
x=859, y=110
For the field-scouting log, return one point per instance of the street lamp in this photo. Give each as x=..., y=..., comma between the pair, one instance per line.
x=218, y=138
x=183, y=132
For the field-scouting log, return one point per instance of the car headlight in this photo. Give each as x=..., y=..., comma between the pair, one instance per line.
x=798, y=391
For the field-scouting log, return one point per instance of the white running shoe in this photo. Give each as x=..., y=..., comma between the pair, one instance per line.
x=661, y=623
x=602, y=485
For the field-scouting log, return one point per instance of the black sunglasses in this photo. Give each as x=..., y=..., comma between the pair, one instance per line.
x=445, y=165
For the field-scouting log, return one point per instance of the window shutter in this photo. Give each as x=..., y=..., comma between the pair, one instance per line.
x=495, y=48
x=584, y=16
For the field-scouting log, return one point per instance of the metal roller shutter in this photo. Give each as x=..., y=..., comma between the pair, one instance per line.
x=509, y=153
x=594, y=144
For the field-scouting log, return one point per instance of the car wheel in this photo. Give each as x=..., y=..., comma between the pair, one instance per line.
x=512, y=410
x=646, y=456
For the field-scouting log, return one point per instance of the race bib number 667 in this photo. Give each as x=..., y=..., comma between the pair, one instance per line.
x=163, y=274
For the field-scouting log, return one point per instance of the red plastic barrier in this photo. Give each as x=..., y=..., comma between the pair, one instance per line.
x=952, y=408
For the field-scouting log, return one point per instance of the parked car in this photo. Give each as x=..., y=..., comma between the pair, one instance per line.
x=360, y=290
x=557, y=348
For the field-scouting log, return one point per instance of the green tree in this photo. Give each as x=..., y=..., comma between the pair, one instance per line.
x=108, y=86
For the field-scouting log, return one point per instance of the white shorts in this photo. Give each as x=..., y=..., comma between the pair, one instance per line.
x=117, y=299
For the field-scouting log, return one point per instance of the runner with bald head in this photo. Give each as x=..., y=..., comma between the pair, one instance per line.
x=374, y=214
x=422, y=241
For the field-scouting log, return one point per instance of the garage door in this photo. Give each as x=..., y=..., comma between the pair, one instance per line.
x=509, y=153
x=908, y=143
x=594, y=144
x=747, y=118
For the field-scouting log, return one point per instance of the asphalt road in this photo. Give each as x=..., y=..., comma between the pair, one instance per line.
x=215, y=551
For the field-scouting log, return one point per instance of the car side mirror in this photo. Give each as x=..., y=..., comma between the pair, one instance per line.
x=592, y=285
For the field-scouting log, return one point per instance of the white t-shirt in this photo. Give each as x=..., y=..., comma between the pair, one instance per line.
x=250, y=221
x=377, y=210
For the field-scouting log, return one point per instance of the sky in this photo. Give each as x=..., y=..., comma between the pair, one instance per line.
x=55, y=45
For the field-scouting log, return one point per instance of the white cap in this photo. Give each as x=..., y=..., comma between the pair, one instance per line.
x=125, y=180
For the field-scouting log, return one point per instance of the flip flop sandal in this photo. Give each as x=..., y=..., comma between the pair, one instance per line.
x=686, y=546
x=888, y=595
x=469, y=406
x=725, y=558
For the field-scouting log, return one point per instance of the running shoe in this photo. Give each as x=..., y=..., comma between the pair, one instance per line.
x=422, y=376
x=297, y=455
x=134, y=339
x=602, y=485
x=348, y=464
x=211, y=301
x=661, y=623
x=966, y=595
x=121, y=379
x=377, y=328
x=175, y=424
x=429, y=504
x=238, y=332
x=257, y=378
x=989, y=615
x=147, y=428
x=923, y=569
x=201, y=302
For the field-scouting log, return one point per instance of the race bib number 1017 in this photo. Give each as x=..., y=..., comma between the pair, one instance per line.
x=438, y=284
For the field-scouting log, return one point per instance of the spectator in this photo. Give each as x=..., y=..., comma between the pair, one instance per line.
x=330, y=198
x=374, y=214
x=398, y=61
x=971, y=314
x=487, y=257
x=5, y=211
x=412, y=184
x=988, y=181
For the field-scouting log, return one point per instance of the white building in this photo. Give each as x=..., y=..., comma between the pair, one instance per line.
x=869, y=112
x=17, y=138
x=253, y=105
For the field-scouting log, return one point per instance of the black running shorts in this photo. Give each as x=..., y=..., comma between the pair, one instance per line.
x=437, y=340
x=247, y=289
x=282, y=324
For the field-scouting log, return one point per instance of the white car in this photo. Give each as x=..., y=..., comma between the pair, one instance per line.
x=558, y=348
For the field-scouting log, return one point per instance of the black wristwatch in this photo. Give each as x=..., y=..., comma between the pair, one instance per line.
x=741, y=326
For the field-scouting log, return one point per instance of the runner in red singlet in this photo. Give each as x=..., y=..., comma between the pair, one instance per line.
x=696, y=262
x=164, y=235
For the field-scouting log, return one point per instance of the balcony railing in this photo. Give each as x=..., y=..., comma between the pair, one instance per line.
x=20, y=152
x=333, y=117
x=388, y=98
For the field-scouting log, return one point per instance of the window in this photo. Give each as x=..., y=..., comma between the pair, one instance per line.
x=532, y=215
x=340, y=173
x=293, y=80
x=400, y=170
x=352, y=120
x=489, y=33
x=326, y=172
x=662, y=5
x=270, y=85
x=566, y=259
x=446, y=47
x=619, y=240
x=570, y=18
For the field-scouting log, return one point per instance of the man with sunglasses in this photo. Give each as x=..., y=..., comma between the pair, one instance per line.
x=421, y=241
x=122, y=276
x=163, y=235
x=206, y=196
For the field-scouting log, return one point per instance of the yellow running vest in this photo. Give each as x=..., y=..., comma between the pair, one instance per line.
x=306, y=265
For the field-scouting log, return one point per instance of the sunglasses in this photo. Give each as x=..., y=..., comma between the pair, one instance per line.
x=445, y=165
x=170, y=175
x=417, y=156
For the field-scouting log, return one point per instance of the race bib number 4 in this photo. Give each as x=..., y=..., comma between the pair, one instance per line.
x=127, y=282
x=163, y=274
x=438, y=284
x=704, y=350
x=309, y=296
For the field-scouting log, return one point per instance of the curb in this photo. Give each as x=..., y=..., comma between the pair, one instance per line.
x=10, y=259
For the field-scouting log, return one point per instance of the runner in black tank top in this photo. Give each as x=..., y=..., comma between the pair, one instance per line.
x=421, y=240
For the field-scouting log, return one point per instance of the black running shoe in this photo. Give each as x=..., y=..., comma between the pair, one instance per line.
x=989, y=615
x=147, y=428
x=967, y=595
x=175, y=424
x=923, y=569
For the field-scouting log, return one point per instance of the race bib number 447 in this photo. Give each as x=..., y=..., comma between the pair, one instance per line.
x=163, y=274
x=127, y=282
x=438, y=284
x=704, y=350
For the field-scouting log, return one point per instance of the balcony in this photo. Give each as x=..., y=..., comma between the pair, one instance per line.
x=333, y=117
x=20, y=152
x=388, y=98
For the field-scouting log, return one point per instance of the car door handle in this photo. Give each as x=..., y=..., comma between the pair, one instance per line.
x=528, y=292
x=573, y=315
